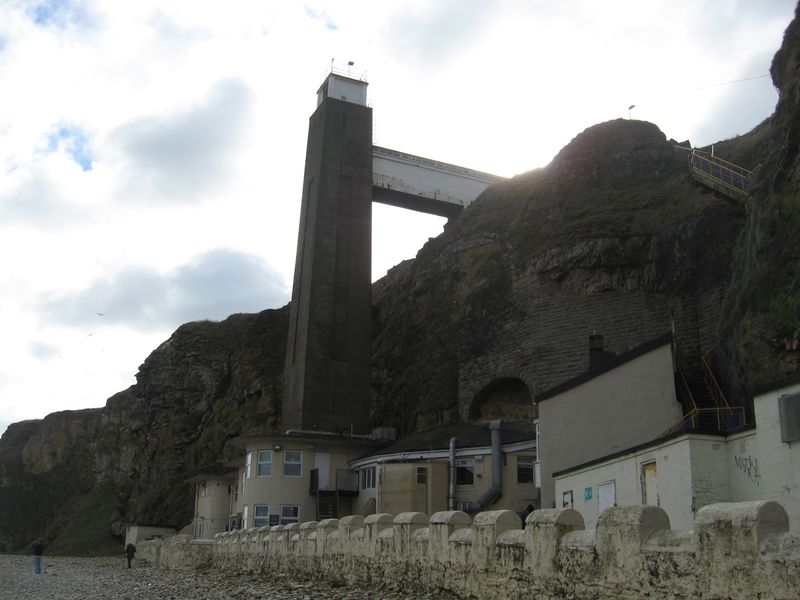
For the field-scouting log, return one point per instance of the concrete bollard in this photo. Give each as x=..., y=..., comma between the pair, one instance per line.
x=351, y=535
x=729, y=538
x=374, y=528
x=444, y=524
x=307, y=543
x=544, y=530
x=405, y=526
x=621, y=535
x=487, y=527
x=325, y=529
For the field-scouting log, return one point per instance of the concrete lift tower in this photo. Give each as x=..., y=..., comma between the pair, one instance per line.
x=327, y=371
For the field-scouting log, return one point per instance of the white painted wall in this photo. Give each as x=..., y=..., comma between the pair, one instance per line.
x=775, y=467
x=343, y=88
x=618, y=409
x=212, y=507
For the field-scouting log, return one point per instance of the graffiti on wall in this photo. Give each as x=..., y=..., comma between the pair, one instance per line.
x=749, y=466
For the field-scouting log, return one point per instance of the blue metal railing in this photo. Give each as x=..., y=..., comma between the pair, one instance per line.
x=733, y=177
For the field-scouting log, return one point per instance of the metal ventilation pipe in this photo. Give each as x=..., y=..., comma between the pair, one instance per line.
x=496, y=490
x=451, y=489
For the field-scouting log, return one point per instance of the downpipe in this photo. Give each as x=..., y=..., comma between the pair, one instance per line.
x=496, y=490
x=451, y=489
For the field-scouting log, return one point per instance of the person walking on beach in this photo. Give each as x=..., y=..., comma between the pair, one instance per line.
x=130, y=552
x=38, y=549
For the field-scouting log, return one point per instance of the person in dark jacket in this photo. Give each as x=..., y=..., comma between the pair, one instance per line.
x=38, y=550
x=524, y=514
x=130, y=552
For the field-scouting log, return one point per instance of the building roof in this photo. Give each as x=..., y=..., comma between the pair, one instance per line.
x=468, y=435
x=661, y=340
x=652, y=443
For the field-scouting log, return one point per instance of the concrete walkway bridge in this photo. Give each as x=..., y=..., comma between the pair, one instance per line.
x=423, y=184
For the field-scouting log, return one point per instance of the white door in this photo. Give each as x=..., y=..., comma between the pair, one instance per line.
x=606, y=495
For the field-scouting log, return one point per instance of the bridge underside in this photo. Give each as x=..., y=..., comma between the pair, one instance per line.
x=431, y=206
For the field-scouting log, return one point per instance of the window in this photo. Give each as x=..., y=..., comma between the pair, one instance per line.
x=422, y=474
x=247, y=462
x=202, y=490
x=368, y=478
x=566, y=499
x=260, y=515
x=244, y=517
x=524, y=469
x=290, y=514
x=292, y=463
x=264, y=468
x=465, y=471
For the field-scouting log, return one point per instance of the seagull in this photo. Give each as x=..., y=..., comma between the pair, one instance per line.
x=100, y=315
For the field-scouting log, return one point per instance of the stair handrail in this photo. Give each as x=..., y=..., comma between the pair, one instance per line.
x=686, y=388
x=713, y=386
x=691, y=415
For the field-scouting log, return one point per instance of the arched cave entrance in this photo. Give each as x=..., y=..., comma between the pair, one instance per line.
x=506, y=398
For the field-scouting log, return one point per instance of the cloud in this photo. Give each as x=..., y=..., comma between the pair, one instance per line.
x=438, y=32
x=323, y=17
x=212, y=286
x=43, y=350
x=36, y=199
x=179, y=158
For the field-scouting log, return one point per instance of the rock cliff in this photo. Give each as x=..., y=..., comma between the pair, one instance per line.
x=612, y=237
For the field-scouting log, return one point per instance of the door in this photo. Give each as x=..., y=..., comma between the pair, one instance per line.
x=322, y=462
x=606, y=495
x=650, y=484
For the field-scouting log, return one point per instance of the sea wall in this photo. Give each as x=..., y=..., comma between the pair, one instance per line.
x=736, y=550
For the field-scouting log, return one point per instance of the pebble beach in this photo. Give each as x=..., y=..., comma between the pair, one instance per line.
x=71, y=578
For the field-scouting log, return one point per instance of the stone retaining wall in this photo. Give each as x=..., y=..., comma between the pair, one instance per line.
x=737, y=550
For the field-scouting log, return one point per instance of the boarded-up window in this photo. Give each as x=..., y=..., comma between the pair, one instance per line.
x=566, y=499
x=650, y=484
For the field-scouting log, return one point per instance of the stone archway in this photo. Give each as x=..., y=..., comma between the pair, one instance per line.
x=506, y=398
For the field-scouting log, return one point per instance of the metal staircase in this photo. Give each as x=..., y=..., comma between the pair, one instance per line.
x=706, y=409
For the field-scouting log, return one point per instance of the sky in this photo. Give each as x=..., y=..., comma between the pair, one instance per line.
x=152, y=152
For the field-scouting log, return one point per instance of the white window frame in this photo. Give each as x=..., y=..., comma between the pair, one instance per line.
x=298, y=462
x=462, y=463
x=244, y=516
x=257, y=517
x=368, y=478
x=287, y=520
x=248, y=463
x=265, y=463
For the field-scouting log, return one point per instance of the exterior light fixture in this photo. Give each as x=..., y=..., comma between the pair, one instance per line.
x=276, y=447
x=629, y=110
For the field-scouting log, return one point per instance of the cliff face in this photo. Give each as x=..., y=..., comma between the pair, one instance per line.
x=76, y=476
x=612, y=237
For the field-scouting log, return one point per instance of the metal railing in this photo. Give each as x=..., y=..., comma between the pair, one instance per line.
x=704, y=419
x=713, y=386
x=708, y=168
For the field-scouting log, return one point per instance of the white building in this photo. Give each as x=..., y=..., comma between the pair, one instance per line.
x=685, y=471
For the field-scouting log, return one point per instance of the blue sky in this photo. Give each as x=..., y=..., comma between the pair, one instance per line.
x=151, y=153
